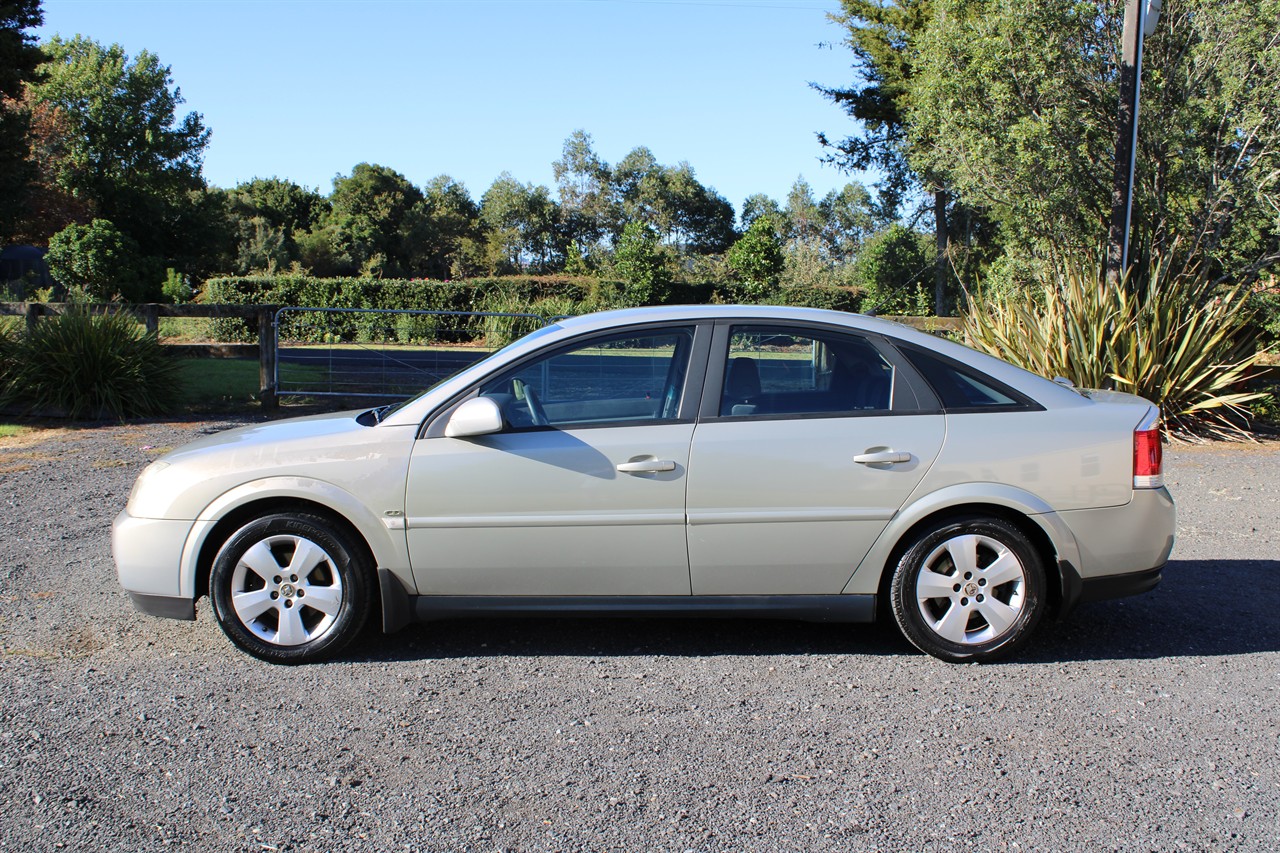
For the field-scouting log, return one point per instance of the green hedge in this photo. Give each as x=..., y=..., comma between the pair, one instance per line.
x=547, y=296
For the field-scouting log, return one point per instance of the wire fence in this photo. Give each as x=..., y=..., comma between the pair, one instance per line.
x=383, y=353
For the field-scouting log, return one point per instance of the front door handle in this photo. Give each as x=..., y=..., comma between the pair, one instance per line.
x=882, y=457
x=647, y=466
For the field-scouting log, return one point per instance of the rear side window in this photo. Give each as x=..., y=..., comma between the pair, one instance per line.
x=776, y=370
x=964, y=390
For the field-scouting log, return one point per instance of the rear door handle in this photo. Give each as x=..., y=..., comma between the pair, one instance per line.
x=647, y=466
x=881, y=457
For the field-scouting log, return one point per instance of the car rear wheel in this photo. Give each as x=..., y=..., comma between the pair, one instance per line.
x=290, y=588
x=970, y=589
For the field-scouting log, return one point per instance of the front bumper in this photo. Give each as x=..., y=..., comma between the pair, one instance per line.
x=148, y=557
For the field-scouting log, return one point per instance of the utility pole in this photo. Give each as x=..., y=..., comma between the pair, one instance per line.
x=1140, y=17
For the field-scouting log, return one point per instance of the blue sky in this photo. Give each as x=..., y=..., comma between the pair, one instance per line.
x=305, y=90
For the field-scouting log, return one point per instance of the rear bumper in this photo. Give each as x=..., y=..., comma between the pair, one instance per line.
x=1123, y=550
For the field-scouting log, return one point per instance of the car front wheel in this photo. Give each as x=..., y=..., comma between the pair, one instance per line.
x=290, y=588
x=969, y=589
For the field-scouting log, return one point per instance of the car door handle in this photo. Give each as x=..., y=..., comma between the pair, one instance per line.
x=647, y=466
x=882, y=456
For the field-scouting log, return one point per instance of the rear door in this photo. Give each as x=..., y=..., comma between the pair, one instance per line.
x=810, y=439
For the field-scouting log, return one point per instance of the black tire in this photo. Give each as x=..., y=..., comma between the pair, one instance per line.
x=306, y=577
x=969, y=590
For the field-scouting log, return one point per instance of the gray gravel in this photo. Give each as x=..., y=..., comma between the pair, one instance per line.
x=1144, y=724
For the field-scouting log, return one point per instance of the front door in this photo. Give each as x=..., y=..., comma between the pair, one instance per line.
x=582, y=493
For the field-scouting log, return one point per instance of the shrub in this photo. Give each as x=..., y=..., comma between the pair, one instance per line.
x=101, y=261
x=1187, y=353
x=756, y=261
x=88, y=366
x=891, y=270
x=641, y=264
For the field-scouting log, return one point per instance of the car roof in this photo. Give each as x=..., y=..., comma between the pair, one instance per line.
x=1037, y=387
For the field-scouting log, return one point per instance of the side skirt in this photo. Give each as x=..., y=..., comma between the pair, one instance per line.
x=399, y=608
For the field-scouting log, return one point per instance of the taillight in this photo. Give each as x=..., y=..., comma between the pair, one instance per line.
x=1148, y=455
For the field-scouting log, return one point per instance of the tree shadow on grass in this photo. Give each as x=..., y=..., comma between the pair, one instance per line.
x=1201, y=608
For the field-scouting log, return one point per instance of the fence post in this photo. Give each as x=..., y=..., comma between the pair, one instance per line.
x=151, y=317
x=267, y=358
x=33, y=314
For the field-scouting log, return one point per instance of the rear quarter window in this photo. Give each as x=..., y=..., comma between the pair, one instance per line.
x=962, y=389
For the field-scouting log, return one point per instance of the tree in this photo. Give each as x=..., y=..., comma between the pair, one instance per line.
x=849, y=217
x=20, y=56
x=521, y=223
x=884, y=37
x=891, y=270
x=441, y=229
x=756, y=206
x=587, y=205
x=123, y=148
x=1017, y=107
x=804, y=217
x=671, y=201
x=99, y=261
x=756, y=260
x=268, y=215
x=639, y=261
x=365, y=226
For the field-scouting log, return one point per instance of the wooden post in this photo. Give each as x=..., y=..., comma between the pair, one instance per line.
x=33, y=313
x=267, y=358
x=151, y=317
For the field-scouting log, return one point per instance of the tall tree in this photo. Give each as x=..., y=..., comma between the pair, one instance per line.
x=370, y=209
x=671, y=200
x=521, y=223
x=124, y=147
x=441, y=228
x=884, y=36
x=1017, y=106
x=587, y=205
x=20, y=56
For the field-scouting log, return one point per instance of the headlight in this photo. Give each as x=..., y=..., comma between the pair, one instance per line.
x=153, y=468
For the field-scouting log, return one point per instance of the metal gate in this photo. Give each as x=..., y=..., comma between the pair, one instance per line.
x=382, y=353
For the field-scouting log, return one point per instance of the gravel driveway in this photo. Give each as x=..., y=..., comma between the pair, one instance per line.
x=1150, y=723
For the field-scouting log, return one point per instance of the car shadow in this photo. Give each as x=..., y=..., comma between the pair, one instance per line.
x=1201, y=608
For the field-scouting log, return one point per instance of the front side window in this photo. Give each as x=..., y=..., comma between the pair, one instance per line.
x=633, y=377
x=785, y=371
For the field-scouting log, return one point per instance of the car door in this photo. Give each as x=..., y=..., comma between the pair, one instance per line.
x=582, y=492
x=810, y=439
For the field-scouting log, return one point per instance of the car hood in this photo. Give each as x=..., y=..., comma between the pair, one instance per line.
x=252, y=438
x=335, y=449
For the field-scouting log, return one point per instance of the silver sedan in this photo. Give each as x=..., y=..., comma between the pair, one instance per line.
x=712, y=461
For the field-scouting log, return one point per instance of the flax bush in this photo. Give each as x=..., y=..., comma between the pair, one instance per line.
x=86, y=366
x=1169, y=342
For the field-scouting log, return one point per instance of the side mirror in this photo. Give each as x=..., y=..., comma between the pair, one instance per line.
x=477, y=416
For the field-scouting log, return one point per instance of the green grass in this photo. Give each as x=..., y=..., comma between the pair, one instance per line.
x=13, y=430
x=228, y=384
x=218, y=384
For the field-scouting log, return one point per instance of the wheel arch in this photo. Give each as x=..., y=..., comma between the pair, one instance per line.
x=224, y=516
x=1051, y=537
